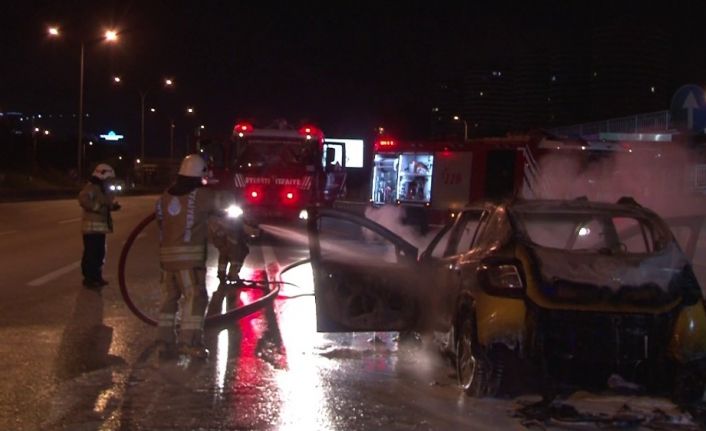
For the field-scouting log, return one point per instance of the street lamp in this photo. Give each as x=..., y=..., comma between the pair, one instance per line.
x=168, y=83
x=465, y=127
x=109, y=36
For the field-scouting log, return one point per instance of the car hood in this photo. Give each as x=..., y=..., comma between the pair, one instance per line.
x=643, y=279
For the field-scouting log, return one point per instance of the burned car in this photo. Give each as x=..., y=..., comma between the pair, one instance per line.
x=574, y=291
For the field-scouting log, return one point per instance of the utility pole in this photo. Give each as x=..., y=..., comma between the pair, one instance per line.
x=171, y=140
x=142, y=124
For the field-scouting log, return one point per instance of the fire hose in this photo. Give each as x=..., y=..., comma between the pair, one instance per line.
x=210, y=321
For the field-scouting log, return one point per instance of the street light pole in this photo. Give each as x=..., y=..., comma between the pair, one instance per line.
x=171, y=140
x=465, y=127
x=142, y=124
x=79, y=157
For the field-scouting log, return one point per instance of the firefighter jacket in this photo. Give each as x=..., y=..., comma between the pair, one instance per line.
x=183, y=221
x=97, y=205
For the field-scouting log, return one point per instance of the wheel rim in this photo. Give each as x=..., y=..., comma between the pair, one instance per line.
x=465, y=359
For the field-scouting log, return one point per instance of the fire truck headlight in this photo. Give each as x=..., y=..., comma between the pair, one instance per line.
x=234, y=211
x=303, y=215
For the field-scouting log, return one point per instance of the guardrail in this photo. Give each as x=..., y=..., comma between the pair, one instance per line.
x=651, y=122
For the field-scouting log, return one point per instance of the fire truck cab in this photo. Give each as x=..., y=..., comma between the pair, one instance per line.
x=276, y=173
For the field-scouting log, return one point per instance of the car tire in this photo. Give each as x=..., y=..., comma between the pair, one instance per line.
x=688, y=385
x=473, y=369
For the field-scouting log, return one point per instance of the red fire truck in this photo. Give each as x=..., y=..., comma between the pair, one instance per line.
x=278, y=172
x=442, y=177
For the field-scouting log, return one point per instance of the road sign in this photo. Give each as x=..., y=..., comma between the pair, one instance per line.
x=688, y=109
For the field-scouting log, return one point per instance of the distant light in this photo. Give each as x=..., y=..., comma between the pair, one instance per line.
x=202, y=126
x=46, y=132
x=36, y=129
x=90, y=143
x=456, y=118
x=481, y=94
x=112, y=136
x=117, y=79
x=39, y=115
x=583, y=147
x=120, y=157
x=168, y=82
x=629, y=150
x=153, y=110
x=435, y=109
x=652, y=89
x=584, y=231
x=53, y=31
x=190, y=110
x=111, y=35
x=138, y=161
x=240, y=135
x=303, y=215
x=553, y=78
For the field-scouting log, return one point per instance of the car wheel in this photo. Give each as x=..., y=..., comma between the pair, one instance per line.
x=688, y=385
x=472, y=369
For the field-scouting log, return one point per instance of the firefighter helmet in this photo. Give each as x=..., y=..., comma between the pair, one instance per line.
x=193, y=165
x=103, y=171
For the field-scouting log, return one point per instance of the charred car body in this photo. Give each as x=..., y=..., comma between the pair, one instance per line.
x=575, y=290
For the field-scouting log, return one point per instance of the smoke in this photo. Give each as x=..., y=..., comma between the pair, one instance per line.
x=661, y=180
x=392, y=217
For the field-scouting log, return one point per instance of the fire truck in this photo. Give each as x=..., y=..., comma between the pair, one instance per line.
x=276, y=173
x=442, y=177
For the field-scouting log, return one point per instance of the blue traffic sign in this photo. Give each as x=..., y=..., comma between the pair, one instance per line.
x=688, y=109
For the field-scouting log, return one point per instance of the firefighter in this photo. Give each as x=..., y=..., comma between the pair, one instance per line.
x=183, y=213
x=230, y=236
x=97, y=203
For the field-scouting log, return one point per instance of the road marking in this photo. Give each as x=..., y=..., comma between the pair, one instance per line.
x=54, y=274
x=7, y=232
x=71, y=220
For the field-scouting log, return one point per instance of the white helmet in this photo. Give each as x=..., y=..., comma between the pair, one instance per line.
x=103, y=171
x=193, y=165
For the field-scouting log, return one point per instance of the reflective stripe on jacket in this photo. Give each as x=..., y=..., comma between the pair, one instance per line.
x=183, y=230
x=96, y=209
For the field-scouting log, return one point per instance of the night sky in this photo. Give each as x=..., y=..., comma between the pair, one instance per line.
x=347, y=66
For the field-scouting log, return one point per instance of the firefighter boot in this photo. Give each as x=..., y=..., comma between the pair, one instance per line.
x=196, y=351
x=233, y=273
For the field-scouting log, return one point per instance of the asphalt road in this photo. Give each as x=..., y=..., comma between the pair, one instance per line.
x=77, y=359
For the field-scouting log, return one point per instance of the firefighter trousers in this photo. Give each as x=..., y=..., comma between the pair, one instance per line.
x=93, y=256
x=191, y=284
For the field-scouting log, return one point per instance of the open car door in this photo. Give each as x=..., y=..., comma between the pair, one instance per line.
x=690, y=234
x=366, y=278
